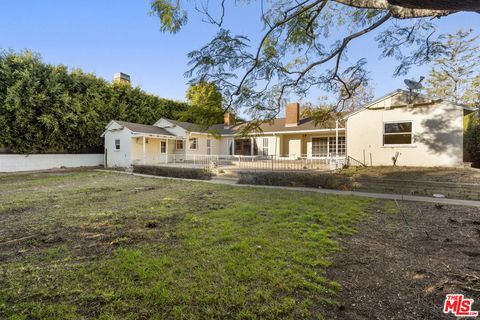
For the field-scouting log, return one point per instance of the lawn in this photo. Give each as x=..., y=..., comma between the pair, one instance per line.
x=101, y=245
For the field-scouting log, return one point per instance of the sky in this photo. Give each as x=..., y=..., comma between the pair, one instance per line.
x=108, y=36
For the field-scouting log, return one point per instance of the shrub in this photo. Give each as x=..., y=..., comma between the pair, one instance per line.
x=186, y=173
x=472, y=138
x=297, y=179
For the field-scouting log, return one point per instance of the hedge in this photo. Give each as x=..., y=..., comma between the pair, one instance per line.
x=297, y=179
x=186, y=173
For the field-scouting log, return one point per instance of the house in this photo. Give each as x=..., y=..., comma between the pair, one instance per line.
x=421, y=132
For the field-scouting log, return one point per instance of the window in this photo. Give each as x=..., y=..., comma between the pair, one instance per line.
x=193, y=143
x=320, y=147
x=265, y=147
x=163, y=146
x=395, y=133
x=332, y=146
x=179, y=144
x=327, y=146
x=243, y=147
x=209, y=146
x=117, y=144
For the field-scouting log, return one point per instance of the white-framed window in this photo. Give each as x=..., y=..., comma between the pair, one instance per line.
x=193, y=143
x=163, y=146
x=327, y=146
x=320, y=147
x=265, y=146
x=209, y=146
x=179, y=144
x=397, y=133
x=332, y=146
x=117, y=144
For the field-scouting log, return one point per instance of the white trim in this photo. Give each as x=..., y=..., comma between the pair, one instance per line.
x=412, y=142
x=153, y=135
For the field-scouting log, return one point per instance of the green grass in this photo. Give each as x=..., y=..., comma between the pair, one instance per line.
x=102, y=247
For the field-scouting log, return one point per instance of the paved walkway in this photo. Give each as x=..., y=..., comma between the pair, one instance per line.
x=389, y=196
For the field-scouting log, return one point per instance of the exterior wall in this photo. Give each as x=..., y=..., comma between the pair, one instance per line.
x=202, y=144
x=437, y=134
x=118, y=158
x=24, y=162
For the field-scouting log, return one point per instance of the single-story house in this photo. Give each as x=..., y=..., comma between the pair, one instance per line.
x=422, y=132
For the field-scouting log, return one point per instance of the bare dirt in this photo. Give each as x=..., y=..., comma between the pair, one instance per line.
x=401, y=266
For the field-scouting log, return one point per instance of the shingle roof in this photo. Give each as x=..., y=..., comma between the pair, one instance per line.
x=276, y=125
x=143, y=128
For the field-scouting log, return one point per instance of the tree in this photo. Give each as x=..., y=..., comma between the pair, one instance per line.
x=472, y=137
x=47, y=108
x=304, y=45
x=454, y=68
x=206, y=101
x=472, y=92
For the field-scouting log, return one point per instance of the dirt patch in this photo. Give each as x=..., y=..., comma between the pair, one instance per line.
x=401, y=266
x=436, y=174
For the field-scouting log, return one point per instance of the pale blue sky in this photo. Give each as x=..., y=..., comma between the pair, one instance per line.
x=106, y=36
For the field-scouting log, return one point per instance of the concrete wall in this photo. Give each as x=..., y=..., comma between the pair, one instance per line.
x=437, y=136
x=21, y=162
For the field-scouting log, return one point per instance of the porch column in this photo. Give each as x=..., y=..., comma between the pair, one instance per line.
x=251, y=145
x=336, y=138
x=143, y=149
x=166, y=150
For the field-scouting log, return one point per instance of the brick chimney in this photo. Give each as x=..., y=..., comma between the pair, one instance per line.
x=121, y=78
x=292, y=114
x=228, y=119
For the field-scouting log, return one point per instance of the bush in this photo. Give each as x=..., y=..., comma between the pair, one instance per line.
x=472, y=138
x=297, y=179
x=186, y=173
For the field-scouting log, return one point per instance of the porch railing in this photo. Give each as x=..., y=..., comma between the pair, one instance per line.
x=217, y=162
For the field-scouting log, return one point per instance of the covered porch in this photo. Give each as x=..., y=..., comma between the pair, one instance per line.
x=321, y=145
x=156, y=149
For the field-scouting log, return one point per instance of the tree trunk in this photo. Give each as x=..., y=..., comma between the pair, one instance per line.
x=406, y=9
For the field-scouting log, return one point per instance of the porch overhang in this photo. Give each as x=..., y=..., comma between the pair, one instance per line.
x=284, y=132
x=158, y=136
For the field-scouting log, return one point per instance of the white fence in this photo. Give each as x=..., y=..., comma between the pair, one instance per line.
x=289, y=162
x=30, y=162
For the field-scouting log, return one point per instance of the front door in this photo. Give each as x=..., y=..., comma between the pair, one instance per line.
x=295, y=148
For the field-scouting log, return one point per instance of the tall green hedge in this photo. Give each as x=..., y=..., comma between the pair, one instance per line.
x=472, y=137
x=47, y=108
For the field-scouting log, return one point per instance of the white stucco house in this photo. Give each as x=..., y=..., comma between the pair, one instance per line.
x=422, y=132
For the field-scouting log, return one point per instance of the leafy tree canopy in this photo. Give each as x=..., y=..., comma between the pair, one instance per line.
x=47, y=108
x=304, y=45
x=455, y=72
x=206, y=101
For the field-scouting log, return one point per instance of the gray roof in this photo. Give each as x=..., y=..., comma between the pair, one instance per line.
x=276, y=125
x=143, y=128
